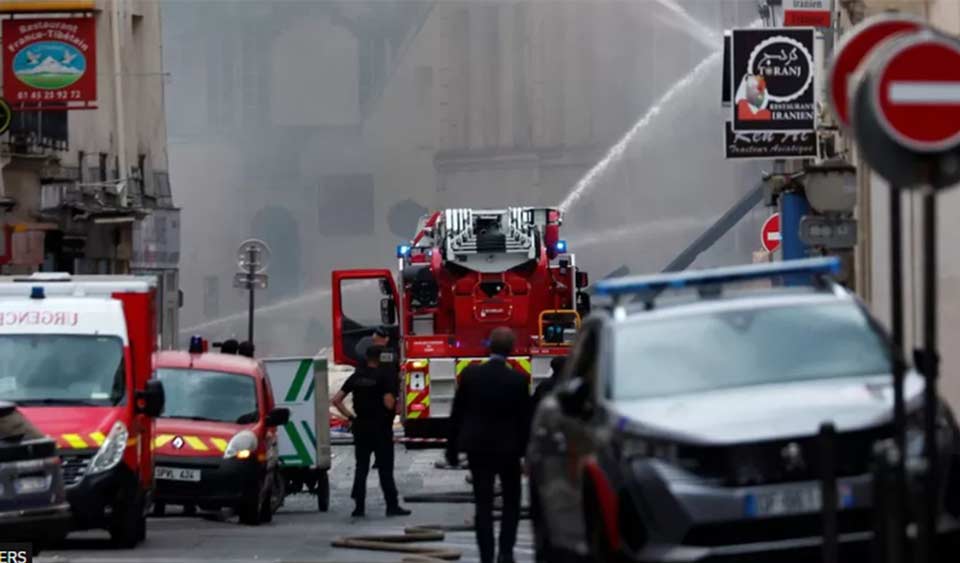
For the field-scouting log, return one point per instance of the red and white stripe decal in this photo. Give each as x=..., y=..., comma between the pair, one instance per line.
x=430, y=223
x=607, y=499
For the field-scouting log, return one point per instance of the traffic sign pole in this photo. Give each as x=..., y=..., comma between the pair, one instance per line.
x=250, y=272
x=252, y=258
x=930, y=360
x=896, y=546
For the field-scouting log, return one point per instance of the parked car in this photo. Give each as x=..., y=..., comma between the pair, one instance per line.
x=33, y=502
x=216, y=443
x=685, y=426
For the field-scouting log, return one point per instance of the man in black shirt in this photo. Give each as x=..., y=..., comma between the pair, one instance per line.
x=374, y=400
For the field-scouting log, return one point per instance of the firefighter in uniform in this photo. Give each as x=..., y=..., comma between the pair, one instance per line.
x=374, y=400
x=388, y=364
x=491, y=422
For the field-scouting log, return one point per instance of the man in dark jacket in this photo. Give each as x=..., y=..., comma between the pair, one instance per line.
x=491, y=423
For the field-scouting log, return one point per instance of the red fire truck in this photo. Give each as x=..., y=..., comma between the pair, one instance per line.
x=75, y=356
x=466, y=272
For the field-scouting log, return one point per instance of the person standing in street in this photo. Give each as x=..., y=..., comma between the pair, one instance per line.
x=388, y=364
x=374, y=399
x=491, y=422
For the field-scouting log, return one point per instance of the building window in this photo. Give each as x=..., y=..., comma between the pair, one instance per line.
x=32, y=131
x=103, y=167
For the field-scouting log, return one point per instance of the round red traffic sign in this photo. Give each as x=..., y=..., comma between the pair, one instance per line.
x=770, y=233
x=916, y=93
x=854, y=48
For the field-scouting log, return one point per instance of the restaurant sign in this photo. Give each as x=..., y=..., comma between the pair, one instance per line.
x=50, y=63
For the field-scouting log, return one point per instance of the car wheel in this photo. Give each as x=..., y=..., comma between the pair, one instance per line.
x=249, y=510
x=189, y=510
x=266, y=505
x=142, y=530
x=323, y=492
x=128, y=522
x=159, y=509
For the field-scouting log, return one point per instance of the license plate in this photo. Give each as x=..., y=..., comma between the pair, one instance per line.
x=28, y=485
x=784, y=502
x=177, y=474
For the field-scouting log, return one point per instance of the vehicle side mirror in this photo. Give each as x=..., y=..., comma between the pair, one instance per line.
x=278, y=416
x=583, y=280
x=151, y=400
x=385, y=288
x=388, y=311
x=574, y=398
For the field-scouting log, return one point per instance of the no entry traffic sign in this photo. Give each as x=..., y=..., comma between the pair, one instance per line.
x=770, y=233
x=856, y=45
x=916, y=93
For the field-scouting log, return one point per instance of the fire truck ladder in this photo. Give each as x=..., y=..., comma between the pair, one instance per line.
x=509, y=231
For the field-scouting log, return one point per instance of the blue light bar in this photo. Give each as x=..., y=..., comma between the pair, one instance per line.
x=403, y=250
x=196, y=345
x=561, y=246
x=677, y=280
x=36, y=292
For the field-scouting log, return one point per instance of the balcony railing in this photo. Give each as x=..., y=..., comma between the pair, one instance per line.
x=34, y=131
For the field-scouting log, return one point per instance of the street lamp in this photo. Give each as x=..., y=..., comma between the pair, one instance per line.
x=252, y=259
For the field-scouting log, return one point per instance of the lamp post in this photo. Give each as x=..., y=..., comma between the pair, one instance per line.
x=252, y=259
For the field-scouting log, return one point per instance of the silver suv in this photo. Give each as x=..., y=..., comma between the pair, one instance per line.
x=685, y=427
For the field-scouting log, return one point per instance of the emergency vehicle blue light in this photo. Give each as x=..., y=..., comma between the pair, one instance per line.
x=196, y=345
x=561, y=246
x=403, y=250
x=36, y=292
x=639, y=284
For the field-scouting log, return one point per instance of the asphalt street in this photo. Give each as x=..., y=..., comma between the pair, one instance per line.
x=299, y=533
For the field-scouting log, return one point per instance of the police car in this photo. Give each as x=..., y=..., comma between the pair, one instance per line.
x=685, y=427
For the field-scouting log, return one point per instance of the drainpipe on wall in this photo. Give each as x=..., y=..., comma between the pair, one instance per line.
x=121, y=137
x=6, y=204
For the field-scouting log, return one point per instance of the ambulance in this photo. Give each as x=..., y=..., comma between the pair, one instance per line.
x=75, y=357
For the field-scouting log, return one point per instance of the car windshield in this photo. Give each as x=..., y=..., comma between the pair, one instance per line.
x=208, y=395
x=39, y=369
x=745, y=347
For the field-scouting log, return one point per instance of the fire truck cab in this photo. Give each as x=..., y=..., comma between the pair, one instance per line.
x=465, y=273
x=75, y=356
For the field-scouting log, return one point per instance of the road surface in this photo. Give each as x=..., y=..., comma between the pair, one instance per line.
x=298, y=533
